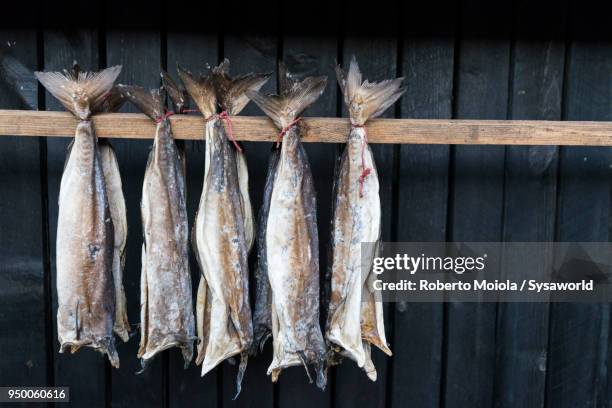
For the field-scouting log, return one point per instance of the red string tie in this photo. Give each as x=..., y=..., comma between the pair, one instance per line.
x=365, y=171
x=184, y=110
x=284, y=131
x=230, y=130
x=165, y=116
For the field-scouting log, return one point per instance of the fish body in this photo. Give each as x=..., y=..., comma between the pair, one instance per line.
x=166, y=308
x=166, y=301
x=116, y=203
x=290, y=257
x=292, y=252
x=224, y=228
x=262, y=315
x=356, y=220
x=355, y=318
x=85, y=250
x=222, y=251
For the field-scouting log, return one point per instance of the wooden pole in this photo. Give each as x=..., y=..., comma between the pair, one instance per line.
x=327, y=130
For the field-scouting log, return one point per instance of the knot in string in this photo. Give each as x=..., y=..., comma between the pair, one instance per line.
x=163, y=117
x=365, y=171
x=230, y=130
x=284, y=130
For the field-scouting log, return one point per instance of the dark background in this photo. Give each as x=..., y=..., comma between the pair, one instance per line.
x=469, y=59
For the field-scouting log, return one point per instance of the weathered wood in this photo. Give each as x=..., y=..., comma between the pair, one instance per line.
x=137, y=47
x=422, y=203
x=577, y=369
x=251, y=45
x=61, y=49
x=192, y=50
x=23, y=290
x=307, y=56
x=530, y=201
x=477, y=198
x=326, y=130
x=377, y=58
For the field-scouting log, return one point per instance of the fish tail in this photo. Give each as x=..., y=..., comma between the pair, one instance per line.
x=201, y=89
x=177, y=95
x=108, y=347
x=151, y=102
x=366, y=100
x=231, y=92
x=294, y=98
x=80, y=92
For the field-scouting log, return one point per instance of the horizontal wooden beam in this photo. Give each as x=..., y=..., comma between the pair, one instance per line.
x=329, y=130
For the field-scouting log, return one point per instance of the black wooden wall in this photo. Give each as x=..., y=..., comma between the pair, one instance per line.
x=472, y=59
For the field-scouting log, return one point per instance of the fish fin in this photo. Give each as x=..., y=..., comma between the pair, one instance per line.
x=177, y=94
x=292, y=101
x=150, y=102
x=79, y=91
x=366, y=100
x=244, y=358
x=201, y=89
x=112, y=102
x=231, y=91
x=304, y=361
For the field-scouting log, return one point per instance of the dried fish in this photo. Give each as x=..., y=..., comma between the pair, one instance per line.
x=232, y=99
x=355, y=314
x=223, y=231
x=166, y=314
x=116, y=201
x=262, y=316
x=292, y=247
x=85, y=230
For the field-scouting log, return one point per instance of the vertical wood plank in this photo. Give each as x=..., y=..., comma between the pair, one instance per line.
x=422, y=199
x=375, y=47
x=477, y=195
x=305, y=55
x=251, y=44
x=23, y=308
x=135, y=44
x=85, y=371
x=579, y=333
x=192, y=48
x=530, y=197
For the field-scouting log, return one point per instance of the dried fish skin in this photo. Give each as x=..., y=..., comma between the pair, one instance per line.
x=293, y=261
x=85, y=231
x=166, y=300
x=85, y=289
x=224, y=228
x=222, y=251
x=262, y=316
x=291, y=237
x=355, y=318
x=116, y=201
x=231, y=95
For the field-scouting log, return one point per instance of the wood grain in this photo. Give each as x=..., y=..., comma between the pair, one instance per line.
x=325, y=130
